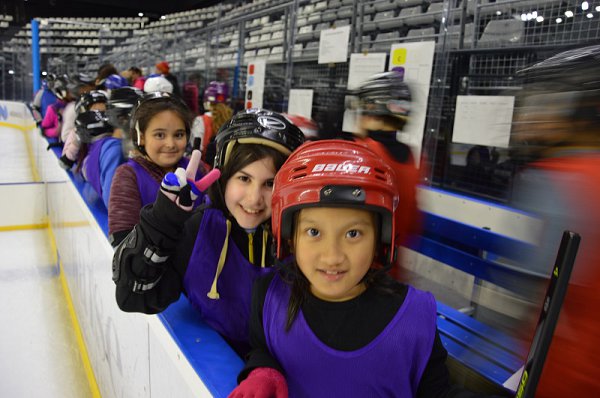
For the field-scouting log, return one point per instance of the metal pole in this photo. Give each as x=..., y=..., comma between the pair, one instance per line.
x=35, y=54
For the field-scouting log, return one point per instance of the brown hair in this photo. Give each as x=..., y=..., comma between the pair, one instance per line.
x=146, y=110
x=241, y=156
x=221, y=113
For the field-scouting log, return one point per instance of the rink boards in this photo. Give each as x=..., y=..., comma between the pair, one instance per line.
x=131, y=355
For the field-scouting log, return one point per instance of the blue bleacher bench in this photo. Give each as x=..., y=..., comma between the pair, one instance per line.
x=480, y=348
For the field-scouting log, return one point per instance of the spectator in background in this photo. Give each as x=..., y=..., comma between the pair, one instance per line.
x=384, y=102
x=217, y=114
x=163, y=69
x=191, y=94
x=52, y=122
x=137, y=78
x=557, y=128
x=78, y=85
x=103, y=72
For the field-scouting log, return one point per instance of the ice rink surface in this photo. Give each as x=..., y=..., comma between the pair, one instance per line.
x=39, y=353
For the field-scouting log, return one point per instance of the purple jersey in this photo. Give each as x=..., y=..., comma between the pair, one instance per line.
x=389, y=366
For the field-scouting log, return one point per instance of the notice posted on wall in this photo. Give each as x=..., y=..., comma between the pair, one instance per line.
x=415, y=62
x=483, y=120
x=362, y=66
x=333, y=45
x=255, y=83
x=300, y=102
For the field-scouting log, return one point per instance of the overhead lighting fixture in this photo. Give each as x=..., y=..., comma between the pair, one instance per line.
x=585, y=5
x=558, y=20
x=569, y=14
x=498, y=12
x=44, y=73
x=163, y=17
x=590, y=15
x=540, y=19
x=140, y=14
x=11, y=72
x=598, y=8
x=523, y=17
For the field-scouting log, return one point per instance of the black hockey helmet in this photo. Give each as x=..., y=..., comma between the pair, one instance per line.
x=60, y=87
x=90, y=98
x=256, y=126
x=384, y=94
x=120, y=106
x=91, y=124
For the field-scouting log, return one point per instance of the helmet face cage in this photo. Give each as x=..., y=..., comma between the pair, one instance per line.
x=334, y=173
x=60, y=87
x=256, y=126
x=385, y=94
x=91, y=124
x=90, y=98
x=120, y=106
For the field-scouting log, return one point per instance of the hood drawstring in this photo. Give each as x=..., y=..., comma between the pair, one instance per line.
x=264, y=247
x=251, y=247
x=213, y=293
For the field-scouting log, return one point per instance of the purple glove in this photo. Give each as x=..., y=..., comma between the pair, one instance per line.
x=262, y=383
x=180, y=186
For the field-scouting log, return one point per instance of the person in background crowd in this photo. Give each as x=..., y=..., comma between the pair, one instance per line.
x=78, y=85
x=164, y=69
x=112, y=82
x=44, y=98
x=191, y=94
x=557, y=131
x=161, y=130
x=104, y=71
x=52, y=122
x=100, y=153
x=217, y=113
x=90, y=101
x=137, y=78
x=384, y=102
x=118, y=111
x=214, y=254
x=331, y=322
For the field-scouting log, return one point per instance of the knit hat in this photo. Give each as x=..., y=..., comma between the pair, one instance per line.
x=163, y=67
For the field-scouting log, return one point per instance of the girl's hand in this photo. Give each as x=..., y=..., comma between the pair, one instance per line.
x=262, y=383
x=180, y=186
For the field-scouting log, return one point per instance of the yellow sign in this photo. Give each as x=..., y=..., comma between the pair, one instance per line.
x=399, y=56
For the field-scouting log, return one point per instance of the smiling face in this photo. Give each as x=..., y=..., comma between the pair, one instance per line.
x=334, y=249
x=164, y=139
x=248, y=193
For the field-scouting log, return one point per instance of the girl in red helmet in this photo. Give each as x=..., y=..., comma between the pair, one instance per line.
x=214, y=254
x=331, y=322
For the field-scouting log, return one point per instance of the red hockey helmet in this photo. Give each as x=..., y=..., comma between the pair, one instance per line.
x=334, y=173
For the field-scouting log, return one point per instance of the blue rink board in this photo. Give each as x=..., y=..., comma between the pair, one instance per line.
x=212, y=358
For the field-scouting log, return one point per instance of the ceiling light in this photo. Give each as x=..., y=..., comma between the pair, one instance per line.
x=585, y=5
x=140, y=14
x=590, y=15
x=558, y=20
x=11, y=72
x=568, y=14
x=540, y=19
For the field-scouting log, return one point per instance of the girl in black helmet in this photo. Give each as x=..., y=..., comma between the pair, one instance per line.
x=214, y=254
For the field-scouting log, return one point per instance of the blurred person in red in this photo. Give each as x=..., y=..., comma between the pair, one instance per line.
x=384, y=102
x=557, y=133
x=164, y=69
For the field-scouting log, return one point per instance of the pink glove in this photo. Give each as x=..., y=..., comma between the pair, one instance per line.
x=262, y=383
x=180, y=186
